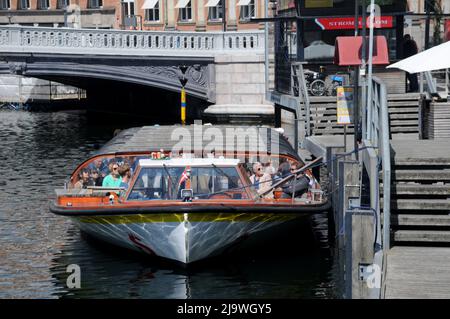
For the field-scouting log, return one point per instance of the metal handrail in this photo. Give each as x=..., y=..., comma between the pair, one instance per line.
x=378, y=134
x=299, y=89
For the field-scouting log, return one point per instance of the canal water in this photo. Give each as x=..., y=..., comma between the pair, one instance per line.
x=38, y=151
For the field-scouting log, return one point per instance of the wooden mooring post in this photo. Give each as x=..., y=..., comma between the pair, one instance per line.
x=348, y=185
x=361, y=274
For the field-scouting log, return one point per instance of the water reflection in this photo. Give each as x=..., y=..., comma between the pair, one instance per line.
x=38, y=151
x=248, y=272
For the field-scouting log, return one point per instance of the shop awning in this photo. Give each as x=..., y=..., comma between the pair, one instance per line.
x=149, y=4
x=348, y=50
x=182, y=4
x=243, y=2
x=436, y=58
x=212, y=3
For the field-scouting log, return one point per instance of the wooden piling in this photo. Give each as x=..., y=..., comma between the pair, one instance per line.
x=359, y=251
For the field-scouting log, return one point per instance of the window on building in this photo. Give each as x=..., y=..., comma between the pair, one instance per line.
x=62, y=4
x=95, y=4
x=247, y=9
x=24, y=4
x=128, y=7
x=185, y=13
x=5, y=4
x=43, y=4
x=215, y=11
x=151, y=11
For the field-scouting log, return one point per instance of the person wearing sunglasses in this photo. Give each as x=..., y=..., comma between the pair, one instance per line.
x=298, y=185
x=113, y=179
x=261, y=180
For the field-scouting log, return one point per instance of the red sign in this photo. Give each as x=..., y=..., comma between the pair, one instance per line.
x=447, y=30
x=349, y=23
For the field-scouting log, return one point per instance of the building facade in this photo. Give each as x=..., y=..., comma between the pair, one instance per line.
x=415, y=24
x=158, y=15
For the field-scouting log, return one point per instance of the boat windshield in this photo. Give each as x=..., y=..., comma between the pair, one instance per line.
x=155, y=183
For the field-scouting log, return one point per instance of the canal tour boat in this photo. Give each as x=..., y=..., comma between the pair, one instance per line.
x=192, y=202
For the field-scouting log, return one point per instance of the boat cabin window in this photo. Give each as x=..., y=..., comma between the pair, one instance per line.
x=206, y=182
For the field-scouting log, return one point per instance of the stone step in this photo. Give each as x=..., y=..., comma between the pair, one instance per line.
x=420, y=220
x=419, y=189
x=322, y=109
x=406, y=129
x=412, y=103
x=420, y=175
x=434, y=236
x=326, y=107
x=419, y=204
x=400, y=116
x=334, y=131
x=404, y=122
x=428, y=162
x=403, y=110
x=322, y=99
x=403, y=96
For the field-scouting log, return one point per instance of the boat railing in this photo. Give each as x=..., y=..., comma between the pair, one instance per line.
x=89, y=191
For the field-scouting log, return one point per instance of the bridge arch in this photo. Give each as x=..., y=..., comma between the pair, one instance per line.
x=161, y=73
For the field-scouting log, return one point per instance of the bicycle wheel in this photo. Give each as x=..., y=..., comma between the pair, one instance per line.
x=318, y=88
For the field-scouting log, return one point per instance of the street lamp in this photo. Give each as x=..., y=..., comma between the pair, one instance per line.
x=183, y=81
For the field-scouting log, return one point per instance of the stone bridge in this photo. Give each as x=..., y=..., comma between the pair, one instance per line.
x=224, y=67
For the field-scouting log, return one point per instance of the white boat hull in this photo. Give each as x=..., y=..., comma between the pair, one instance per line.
x=181, y=237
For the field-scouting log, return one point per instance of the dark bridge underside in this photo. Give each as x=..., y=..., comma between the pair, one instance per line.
x=82, y=70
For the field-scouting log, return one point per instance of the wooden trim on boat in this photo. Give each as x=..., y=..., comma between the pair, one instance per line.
x=262, y=208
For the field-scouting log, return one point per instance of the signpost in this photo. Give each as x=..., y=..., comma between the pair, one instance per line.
x=345, y=107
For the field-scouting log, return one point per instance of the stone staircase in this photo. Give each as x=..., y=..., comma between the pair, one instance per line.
x=403, y=115
x=420, y=196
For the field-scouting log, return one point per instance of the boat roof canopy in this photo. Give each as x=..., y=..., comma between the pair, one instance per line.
x=198, y=138
x=192, y=162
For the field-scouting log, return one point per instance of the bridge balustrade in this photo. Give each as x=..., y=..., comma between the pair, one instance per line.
x=39, y=39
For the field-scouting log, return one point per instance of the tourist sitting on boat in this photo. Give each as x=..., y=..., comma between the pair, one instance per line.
x=100, y=166
x=268, y=167
x=84, y=180
x=297, y=186
x=96, y=177
x=125, y=173
x=261, y=180
x=113, y=179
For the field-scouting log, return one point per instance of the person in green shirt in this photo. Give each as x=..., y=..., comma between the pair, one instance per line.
x=113, y=179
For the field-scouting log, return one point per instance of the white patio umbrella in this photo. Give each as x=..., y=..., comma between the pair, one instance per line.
x=436, y=58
